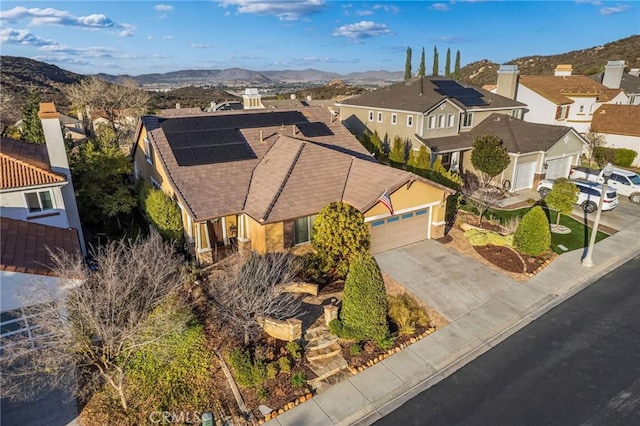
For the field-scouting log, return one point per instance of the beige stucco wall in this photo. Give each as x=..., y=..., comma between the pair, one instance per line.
x=445, y=109
x=357, y=119
x=568, y=145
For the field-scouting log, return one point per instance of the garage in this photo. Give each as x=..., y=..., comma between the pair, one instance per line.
x=524, y=176
x=557, y=168
x=399, y=230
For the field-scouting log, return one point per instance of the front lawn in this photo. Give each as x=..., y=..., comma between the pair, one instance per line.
x=578, y=238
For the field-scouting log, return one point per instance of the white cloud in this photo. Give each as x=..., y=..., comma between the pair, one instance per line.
x=612, y=10
x=62, y=60
x=200, y=46
x=167, y=37
x=284, y=10
x=387, y=8
x=24, y=38
x=442, y=7
x=50, y=16
x=364, y=12
x=593, y=2
x=163, y=7
x=361, y=30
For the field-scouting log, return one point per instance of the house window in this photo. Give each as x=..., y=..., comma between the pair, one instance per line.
x=39, y=201
x=632, y=100
x=370, y=115
x=515, y=113
x=148, y=151
x=451, y=120
x=561, y=112
x=441, y=121
x=136, y=171
x=468, y=119
x=394, y=119
x=431, y=124
x=581, y=109
x=154, y=183
x=410, y=121
x=379, y=117
x=302, y=229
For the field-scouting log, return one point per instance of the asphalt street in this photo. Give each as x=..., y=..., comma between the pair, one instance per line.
x=579, y=364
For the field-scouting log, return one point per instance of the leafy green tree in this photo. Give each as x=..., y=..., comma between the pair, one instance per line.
x=422, y=69
x=419, y=160
x=434, y=71
x=398, y=151
x=31, y=129
x=533, y=236
x=407, y=65
x=447, y=64
x=489, y=157
x=165, y=215
x=364, y=304
x=562, y=197
x=457, y=74
x=99, y=174
x=339, y=233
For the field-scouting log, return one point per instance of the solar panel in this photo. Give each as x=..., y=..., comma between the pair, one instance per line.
x=311, y=130
x=446, y=83
x=471, y=101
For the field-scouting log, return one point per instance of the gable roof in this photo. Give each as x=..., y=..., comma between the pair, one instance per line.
x=420, y=94
x=24, y=245
x=557, y=89
x=213, y=190
x=617, y=120
x=629, y=83
x=25, y=164
x=518, y=136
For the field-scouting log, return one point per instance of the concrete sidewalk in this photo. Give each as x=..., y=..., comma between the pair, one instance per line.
x=484, y=319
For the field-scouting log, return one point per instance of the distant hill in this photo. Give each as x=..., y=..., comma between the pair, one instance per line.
x=586, y=61
x=332, y=90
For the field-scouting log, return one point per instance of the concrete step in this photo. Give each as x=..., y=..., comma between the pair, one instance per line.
x=321, y=342
x=325, y=352
x=327, y=367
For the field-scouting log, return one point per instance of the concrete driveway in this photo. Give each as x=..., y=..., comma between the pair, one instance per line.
x=449, y=282
x=625, y=214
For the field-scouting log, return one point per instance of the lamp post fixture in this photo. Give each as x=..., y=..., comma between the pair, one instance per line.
x=606, y=174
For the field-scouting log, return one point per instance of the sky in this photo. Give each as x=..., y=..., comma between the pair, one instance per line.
x=141, y=37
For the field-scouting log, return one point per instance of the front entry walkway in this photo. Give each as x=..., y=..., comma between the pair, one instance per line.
x=449, y=282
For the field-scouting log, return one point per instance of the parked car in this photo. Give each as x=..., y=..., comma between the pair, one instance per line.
x=625, y=182
x=589, y=195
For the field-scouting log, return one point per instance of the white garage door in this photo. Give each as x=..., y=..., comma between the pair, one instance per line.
x=399, y=230
x=524, y=176
x=558, y=168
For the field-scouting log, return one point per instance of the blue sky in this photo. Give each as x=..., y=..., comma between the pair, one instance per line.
x=139, y=37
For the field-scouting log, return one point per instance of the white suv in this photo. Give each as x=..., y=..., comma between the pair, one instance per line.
x=589, y=195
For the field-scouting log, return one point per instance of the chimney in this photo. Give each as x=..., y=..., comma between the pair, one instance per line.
x=563, y=70
x=213, y=106
x=309, y=98
x=507, y=81
x=261, y=136
x=634, y=72
x=177, y=106
x=54, y=140
x=293, y=96
x=613, y=74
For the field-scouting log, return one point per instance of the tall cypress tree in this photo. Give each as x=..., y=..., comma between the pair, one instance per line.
x=407, y=65
x=456, y=71
x=31, y=129
x=422, y=70
x=447, y=64
x=434, y=72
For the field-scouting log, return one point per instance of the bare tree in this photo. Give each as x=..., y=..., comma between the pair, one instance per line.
x=594, y=141
x=122, y=103
x=481, y=194
x=94, y=325
x=247, y=293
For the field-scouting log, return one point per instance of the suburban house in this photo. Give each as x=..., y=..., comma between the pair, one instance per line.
x=424, y=108
x=256, y=180
x=614, y=77
x=620, y=125
x=35, y=180
x=537, y=151
x=562, y=99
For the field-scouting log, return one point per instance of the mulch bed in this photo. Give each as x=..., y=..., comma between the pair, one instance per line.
x=510, y=260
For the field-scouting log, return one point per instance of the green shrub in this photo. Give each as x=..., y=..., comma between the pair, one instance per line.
x=240, y=361
x=298, y=379
x=262, y=394
x=355, y=350
x=258, y=372
x=406, y=313
x=294, y=349
x=339, y=232
x=533, y=236
x=165, y=215
x=624, y=157
x=364, y=305
x=272, y=370
x=481, y=237
x=285, y=364
x=386, y=343
x=398, y=152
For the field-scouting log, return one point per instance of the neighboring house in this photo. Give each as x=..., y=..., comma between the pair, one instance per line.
x=35, y=180
x=72, y=128
x=561, y=99
x=620, y=124
x=257, y=179
x=614, y=77
x=424, y=108
x=537, y=151
x=26, y=268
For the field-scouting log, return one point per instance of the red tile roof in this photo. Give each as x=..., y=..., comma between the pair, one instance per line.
x=617, y=120
x=24, y=245
x=24, y=164
x=557, y=89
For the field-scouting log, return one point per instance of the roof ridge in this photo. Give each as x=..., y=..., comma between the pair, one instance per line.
x=284, y=181
x=344, y=187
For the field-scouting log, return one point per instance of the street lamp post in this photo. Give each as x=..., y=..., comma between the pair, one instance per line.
x=587, y=260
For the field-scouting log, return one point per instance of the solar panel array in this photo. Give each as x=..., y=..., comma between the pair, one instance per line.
x=217, y=139
x=465, y=95
x=311, y=130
